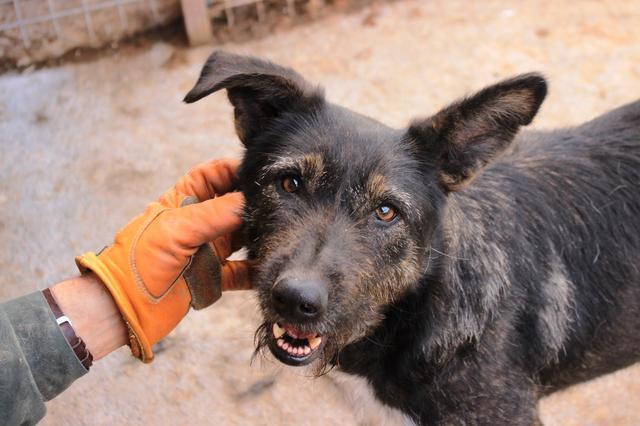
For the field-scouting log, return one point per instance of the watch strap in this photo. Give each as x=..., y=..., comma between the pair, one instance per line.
x=76, y=343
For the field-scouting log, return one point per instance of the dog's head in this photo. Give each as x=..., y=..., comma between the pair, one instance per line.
x=341, y=209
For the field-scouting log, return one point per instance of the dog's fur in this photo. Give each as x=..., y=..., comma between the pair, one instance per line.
x=511, y=271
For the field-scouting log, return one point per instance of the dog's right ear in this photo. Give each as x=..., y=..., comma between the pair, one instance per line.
x=260, y=91
x=466, y=136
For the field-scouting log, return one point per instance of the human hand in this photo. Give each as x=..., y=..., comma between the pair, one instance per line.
x=173, y=255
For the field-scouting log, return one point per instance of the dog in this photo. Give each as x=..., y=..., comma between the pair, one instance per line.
x=460, y=267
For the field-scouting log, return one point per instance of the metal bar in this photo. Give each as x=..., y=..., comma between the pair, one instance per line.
x=56, y=25
x=154, y=11
x=64, y=14
x=88, y=21
x=122, y=15
x=23, y=30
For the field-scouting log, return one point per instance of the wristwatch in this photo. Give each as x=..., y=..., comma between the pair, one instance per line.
x=76, y=343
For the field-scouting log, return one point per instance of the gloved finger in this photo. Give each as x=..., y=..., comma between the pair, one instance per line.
x=207, y=180
x=236, y=275
x=200, y=223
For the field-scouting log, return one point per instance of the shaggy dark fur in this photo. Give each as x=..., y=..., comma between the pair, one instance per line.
x=510, y=270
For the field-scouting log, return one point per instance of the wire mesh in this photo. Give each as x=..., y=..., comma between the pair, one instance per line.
x=40, y=29
x=34, y=30
x=228, y=8
x=83, y=11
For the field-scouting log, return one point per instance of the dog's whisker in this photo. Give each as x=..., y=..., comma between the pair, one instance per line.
x=448, y=255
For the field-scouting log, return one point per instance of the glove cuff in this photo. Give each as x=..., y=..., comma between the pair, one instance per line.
x=138, y=342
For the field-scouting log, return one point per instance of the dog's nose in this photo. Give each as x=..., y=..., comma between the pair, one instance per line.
x=299, y=300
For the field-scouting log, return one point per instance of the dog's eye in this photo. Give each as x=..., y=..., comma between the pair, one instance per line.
x=290, y=183
x=385, y=213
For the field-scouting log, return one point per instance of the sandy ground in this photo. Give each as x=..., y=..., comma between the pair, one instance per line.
x=83, y=147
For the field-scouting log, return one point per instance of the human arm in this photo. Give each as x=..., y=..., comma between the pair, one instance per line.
x=37, y=362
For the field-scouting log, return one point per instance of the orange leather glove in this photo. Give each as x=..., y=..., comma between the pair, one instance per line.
x=173, y=255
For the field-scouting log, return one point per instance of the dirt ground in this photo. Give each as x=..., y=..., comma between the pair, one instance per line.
x=84, y=146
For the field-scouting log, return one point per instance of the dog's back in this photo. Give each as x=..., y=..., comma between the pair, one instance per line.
x=575, y=206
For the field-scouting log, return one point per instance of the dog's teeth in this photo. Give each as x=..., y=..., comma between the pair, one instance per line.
x=314, y=342
x=307, y=350
x=278, y=331
x=285, y=346
x=280, y=342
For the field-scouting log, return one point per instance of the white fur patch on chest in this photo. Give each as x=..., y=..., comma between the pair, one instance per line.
x=368, y=409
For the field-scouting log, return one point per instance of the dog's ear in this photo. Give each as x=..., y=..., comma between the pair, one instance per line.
x=467, y=135
x=260, y=91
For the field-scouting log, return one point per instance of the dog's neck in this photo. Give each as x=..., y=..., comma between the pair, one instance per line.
x=430, y=326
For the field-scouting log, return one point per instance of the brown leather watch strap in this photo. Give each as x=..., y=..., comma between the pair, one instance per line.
x=76, y=343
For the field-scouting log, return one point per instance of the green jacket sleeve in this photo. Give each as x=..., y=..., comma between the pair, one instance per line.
x=36, y=361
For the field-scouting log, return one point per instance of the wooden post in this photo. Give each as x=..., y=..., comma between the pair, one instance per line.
x=291, y=7
x=228, y=12
x=314, y=7
x=261, y=11
x=196, y=21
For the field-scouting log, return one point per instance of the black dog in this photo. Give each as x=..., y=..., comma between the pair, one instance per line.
x=464, y=272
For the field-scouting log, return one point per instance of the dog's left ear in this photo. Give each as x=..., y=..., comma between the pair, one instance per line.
x=467, y=135
x=260, y=91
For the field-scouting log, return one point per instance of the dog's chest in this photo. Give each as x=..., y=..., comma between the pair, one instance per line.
x=368, y=409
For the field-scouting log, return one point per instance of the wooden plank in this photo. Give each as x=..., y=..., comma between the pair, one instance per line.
x=196, y=21
x=291, y=7
x=314, y=7
x=261, y=11
x=228, y=11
